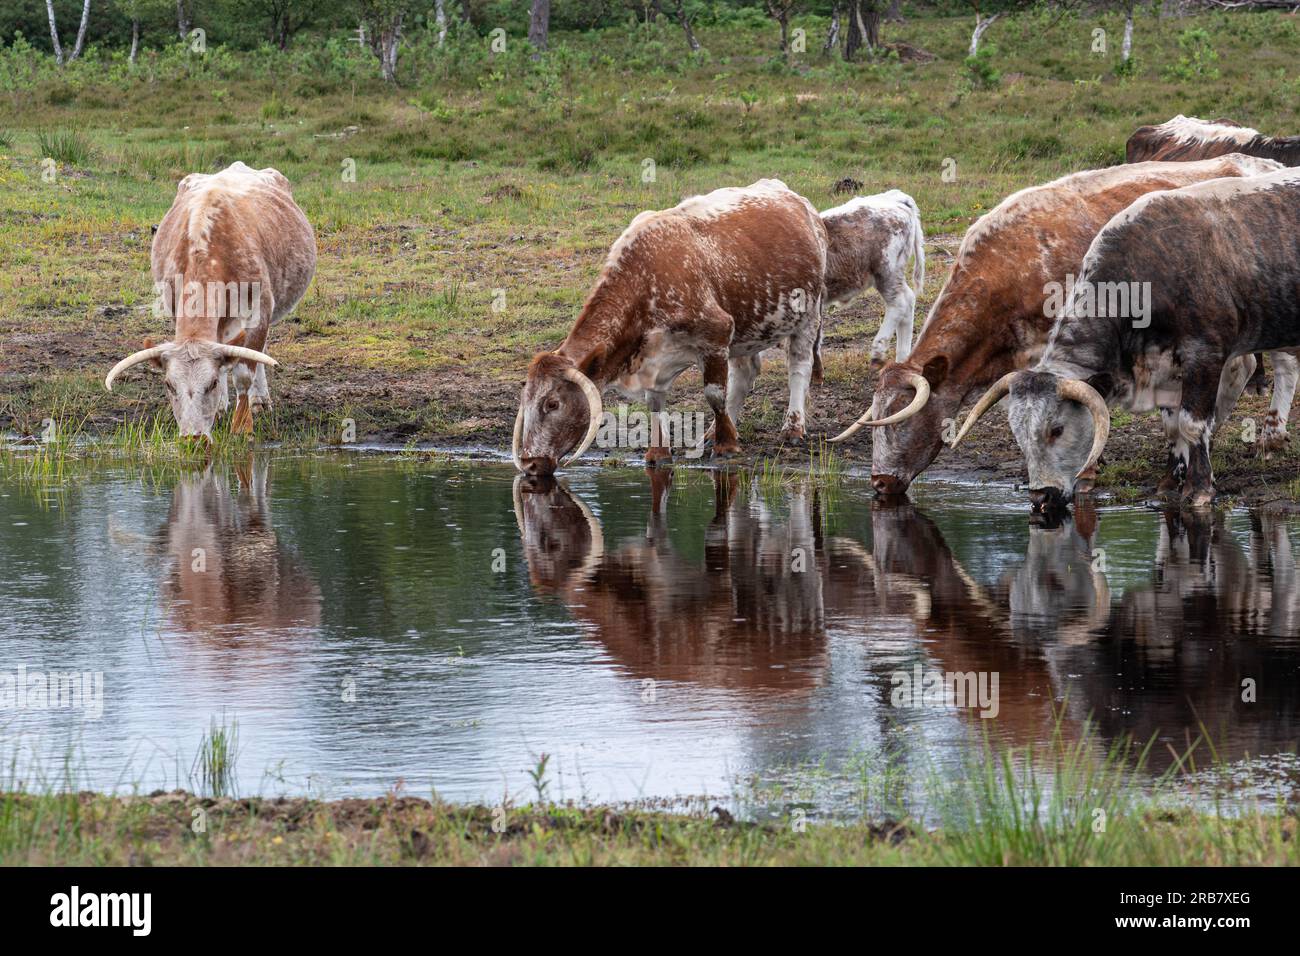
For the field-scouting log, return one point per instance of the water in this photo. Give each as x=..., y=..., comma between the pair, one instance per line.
x=371, y=622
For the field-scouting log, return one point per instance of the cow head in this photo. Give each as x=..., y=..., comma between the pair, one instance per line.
x=908, y=413
x=194, y=375
x=1061, y=425
x=559, y=412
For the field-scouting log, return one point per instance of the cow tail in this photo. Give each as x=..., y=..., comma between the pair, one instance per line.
x=918, y=251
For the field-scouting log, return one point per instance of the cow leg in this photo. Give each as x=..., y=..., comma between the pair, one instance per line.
x=892, y=290
x=799, y=358
x=259, y=396
x=1235, y=376
x=1196, y=425
x=741, y=373
x=1176, y=470
x=714, y=367
x=1258, y=383
x=659, y=450
x=1286, y=372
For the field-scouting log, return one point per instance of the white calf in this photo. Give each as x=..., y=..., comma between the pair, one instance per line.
x=871, y=239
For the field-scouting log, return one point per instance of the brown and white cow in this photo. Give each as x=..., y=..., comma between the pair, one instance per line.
x=1220, y=265
x=233, y=255
x=871, y=238
x=991, y=317
x=1185, y=138
x=711, y=282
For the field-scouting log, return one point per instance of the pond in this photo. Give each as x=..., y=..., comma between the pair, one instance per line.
x=370, y=622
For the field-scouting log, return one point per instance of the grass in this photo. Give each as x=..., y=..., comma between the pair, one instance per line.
x=1069, y=803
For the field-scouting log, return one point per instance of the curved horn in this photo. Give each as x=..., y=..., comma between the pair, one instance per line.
x=143, y=355
x=517, y=442
x=252, y=355
x=990, y=398
x=594, y=407
x=922, y=387
x=592, y=561
x=1080, y=391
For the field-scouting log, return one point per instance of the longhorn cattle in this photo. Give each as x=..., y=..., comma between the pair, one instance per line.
x=1238, y=298
x=871, y=238
x=1186, y=138
x=991, y=316
x=233, y=255
x=711, y=282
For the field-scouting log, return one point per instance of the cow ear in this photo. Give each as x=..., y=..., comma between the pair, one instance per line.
x=239, y=338
x=155, y=361
x=1102, y=383
x=936, y=370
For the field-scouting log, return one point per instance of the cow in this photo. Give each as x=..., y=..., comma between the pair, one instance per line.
x=233, y=255
x=711, y=282
x=1243, y=235
x=871, y=238
x=991, y=315
x=1185, y=138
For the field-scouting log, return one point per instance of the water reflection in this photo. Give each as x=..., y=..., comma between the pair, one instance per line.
x=1164, y=657
x=744, y=614
x=370, y=619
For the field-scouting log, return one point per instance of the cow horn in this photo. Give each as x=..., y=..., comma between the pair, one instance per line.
x=143, y=355
x=592, y=561
x=518, y=440
x=918, y=382
x=990, y=398
x=1080, y=391
x=594, y=408
x=518, y=497
x=251, y=355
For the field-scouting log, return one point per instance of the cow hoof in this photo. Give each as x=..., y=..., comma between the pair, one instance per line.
x=1270, y=442
x=793, y=435
x=726, y=450
x=1199, y=497
x=1084, y=485
x=1168, y=484
x=260, y=404
x=877, y=361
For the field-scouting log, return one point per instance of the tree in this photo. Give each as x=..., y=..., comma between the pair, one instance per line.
x=539, y=25
x=184, y=18
x=284, y=18
x=833, y=31
x=382, y=22
x=54, y=32
x=683, y=20
x=440, y=19
x=988, y=12
x=781, y=11
x=864, y=26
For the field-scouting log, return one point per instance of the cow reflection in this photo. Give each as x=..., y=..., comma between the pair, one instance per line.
x=749, y=617
x=230, y=580
x=1171, y=659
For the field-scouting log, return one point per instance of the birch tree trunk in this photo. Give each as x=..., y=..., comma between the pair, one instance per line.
x=440, y=18
x=81, y=31
x=685, y=22
x=135, y=39
x=54, y=33
x=981, y=25
x=539, y=25
x=1127, y=46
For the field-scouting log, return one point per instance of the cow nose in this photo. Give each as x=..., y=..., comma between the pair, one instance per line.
x=540, y=467
x=1043, y=499
x=888, y=485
